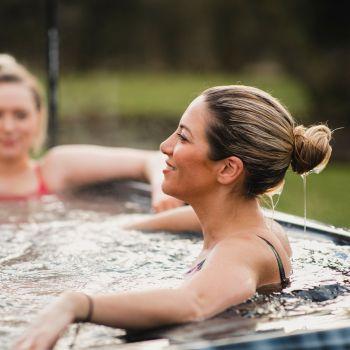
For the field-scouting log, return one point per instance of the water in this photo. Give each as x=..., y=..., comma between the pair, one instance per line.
x=303, y=177
x=77, y=243
x=273, y=202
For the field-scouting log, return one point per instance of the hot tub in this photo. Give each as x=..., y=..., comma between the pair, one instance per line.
x=76, y=242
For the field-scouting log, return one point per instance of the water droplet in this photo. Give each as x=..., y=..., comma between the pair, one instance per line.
x=303, y=176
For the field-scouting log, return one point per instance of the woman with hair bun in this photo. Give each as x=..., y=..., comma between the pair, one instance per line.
x=233, y=144
x=23, y=121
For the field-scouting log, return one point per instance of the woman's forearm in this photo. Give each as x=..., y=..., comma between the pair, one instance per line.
x=153, y=167
x=178, y=220
x=134, y=310
x=154, y=164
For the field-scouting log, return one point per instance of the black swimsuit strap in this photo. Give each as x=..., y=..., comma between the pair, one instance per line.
x=284, y=279
x=196, y=267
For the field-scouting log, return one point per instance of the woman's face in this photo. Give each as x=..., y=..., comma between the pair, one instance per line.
x=189, y=171
x=19, y=120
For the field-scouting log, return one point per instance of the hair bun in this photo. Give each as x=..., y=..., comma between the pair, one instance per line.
x=311, y=148
x=10, y=67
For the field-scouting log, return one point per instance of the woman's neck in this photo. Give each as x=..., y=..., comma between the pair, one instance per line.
x=225, y=214
x=13, y=167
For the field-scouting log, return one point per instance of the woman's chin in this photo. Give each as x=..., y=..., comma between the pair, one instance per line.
x=14, y=153
x=170, y=190
x=9, y=155
x=179, y=196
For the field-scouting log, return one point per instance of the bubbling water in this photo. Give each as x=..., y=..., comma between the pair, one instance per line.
x=53, y=245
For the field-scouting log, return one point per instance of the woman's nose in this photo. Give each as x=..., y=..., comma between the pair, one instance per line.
x=7, y=123
x=167, y=146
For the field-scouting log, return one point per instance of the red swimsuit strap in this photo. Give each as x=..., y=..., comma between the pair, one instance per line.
x=42, y=187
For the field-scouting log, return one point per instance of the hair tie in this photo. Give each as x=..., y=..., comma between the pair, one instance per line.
x=90, y=309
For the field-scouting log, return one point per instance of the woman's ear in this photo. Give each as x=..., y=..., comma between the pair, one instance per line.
x=229, y=171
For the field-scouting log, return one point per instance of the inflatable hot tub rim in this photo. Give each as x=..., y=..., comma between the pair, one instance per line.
x=335, y=339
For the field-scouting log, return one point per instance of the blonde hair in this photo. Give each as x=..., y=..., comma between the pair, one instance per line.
x=13, y=72
x=255, y=127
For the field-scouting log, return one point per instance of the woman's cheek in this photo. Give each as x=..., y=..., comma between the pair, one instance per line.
x=30, y=131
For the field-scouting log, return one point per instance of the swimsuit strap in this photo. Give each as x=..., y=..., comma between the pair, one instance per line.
x=196, y=267
x=41, y=190
x=42, y=187
x=284, y=279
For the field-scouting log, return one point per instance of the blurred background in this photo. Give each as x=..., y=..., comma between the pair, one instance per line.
x=129, y=68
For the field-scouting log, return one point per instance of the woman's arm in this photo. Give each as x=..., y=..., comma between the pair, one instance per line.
x=124, y=310
x=76, y=165
x=154, y=174
x=177, y=219
x=227, y=278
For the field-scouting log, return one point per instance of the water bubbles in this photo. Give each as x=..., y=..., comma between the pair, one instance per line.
x=54, y=245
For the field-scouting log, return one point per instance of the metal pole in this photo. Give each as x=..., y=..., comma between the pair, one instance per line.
x=52, y=68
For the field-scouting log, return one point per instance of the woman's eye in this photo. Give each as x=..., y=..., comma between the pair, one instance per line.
x=21, y=114
x=181, y=137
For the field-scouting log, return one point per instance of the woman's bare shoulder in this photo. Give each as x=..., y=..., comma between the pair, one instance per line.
x=281, y=235
x=53, y=167
x=246, y=241
x=235, y=248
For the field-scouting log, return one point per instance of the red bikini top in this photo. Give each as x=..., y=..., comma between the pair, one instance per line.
x=42, y=189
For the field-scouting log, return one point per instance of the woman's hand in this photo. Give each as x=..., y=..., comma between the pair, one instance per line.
x=52, y=322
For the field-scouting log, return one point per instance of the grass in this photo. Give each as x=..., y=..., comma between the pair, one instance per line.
x=163, y=95
x=327, y=195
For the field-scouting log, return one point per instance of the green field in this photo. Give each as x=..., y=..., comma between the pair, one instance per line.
x=166, y=95
x=162, y=94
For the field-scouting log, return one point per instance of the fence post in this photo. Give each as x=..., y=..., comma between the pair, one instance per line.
x=52, y=68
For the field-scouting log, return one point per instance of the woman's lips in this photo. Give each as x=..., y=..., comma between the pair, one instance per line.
x=168, y=168
x=8, y=143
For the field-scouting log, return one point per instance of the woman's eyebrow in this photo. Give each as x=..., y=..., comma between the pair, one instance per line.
x=182, y=126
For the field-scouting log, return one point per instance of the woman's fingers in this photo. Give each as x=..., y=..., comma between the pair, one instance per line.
x=46, y=329
x=34, y=342
x=38, y=339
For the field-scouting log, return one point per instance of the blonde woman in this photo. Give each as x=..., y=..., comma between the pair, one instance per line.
x=233, y=143
x=22, y=132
